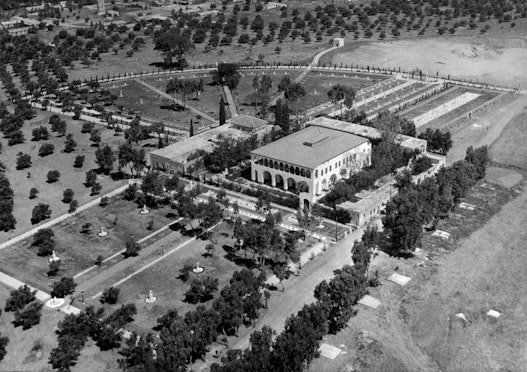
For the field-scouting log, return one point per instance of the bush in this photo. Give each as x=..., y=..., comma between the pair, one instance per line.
x=3, y=343
x=46, y=149
x=53, y=176
x=54, y=267
x=99, y=260
x=79, y=161
x=40, y=213
x=132, y=249
x=87, y=127
x=33, y=193
x=67, y=196
x=201, y=289
x=74, y=204
x=110, y=295
x=63, y=288
x=104, y=201
x=184, y=273
x=43, y=239
x=96, y=188
x=29, y=316
x=23, y=161
x=19, y=298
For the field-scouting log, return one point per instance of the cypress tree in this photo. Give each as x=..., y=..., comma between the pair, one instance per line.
x=191, y=134
x=222, y=111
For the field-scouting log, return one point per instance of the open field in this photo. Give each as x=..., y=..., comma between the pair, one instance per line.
x=19, y=356
x=510, y=148
x=70, y=177
x=140, y=100
x=483, y=58
x=208, y=101
x=77, y=250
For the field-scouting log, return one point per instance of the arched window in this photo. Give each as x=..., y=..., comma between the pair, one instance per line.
x=286, y=168
x=308, y=173
x=260, y=161
x=281, y=166
x=316, y=173
x=302, y=172
x=266, y=163
x=292, y=170
x=271, y=164
x=297, y=171
x=275, y=165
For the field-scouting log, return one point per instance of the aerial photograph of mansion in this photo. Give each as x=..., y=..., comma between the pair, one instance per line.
x=270, y=186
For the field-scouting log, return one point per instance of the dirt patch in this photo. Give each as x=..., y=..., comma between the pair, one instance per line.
x=504, y=177
x=510, y=148
x=475, y=58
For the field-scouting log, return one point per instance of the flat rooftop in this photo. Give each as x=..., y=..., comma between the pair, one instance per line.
x=368, y=132
x=202, y=141
x=310, y=147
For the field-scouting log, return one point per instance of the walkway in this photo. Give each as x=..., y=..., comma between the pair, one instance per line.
x=61, y=218
x=230, y=101
x=165, y=95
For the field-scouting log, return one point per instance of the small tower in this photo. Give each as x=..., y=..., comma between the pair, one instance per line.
x=100, y=7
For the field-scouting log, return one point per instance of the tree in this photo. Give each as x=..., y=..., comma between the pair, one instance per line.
x=281, y=274
x=134, y=158
x=96, y=188
x=46, y=149
x=282, y=115
x=7, y=220
x=19, y=298
x=3, y=344
x=91, y=178
x=139, y=352
x=70, y=144
x=222, y=111
x=29, y=316
x=33, y=193
x=227, y=74
x=63, y=288
x=110, y=295
x=53, y=176
x=403, y=221
x=104, y=157
x=340, y=294
x=40, y=212
x=54, y=267
x=95, y=137
x=79, y=161
x=67, y=196
x=479, y=158
x=132, y=249
x=173, y=45
x=23, y=161
x=343, y=94
x=191, y=129
x=210, y=248
x=152, y=183
x=40, y=133
x=201, y=289
x=74, y=204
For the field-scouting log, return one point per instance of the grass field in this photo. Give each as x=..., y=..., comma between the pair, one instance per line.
x=20, y=358
x=208, y=101
x=510, y=148
x=77, y=250
x=63, y=162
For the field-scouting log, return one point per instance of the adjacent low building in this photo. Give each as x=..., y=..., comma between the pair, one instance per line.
x=310, y=161
x=248, y=124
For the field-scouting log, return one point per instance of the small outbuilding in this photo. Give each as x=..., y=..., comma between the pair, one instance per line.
x=338, y=42
x=247, y=123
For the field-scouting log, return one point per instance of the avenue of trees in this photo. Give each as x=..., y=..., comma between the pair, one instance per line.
x=425, y=203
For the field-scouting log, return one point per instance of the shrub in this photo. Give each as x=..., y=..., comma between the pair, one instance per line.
x=63, y=288
x=74, y=204
x=70, y=144
x=53, y=176
x=43, y=239
x=54, y=267
x=67, y=196
x=29, y=316
x=33, y=193
x=96, y=188
x=110, y=295
x=132, y=249
x=87, y=127
x=79, y=161
x=201, y=289
x=46, y=149
x=184, y=273
x=99, y=260
x=23, y=161
x=104, y=201
x=40, y=213
x=19, y=298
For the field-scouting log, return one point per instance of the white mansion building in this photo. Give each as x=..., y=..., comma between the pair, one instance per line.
x=310, y=161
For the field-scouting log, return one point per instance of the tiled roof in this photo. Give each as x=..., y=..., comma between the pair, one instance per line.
x=247, y=121
x=310, y=147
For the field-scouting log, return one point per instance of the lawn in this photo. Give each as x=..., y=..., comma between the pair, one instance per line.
x=162, y=278
x=208, y=101
x=19, y=356
x=51, y=193
x=77, y=250
x=510, y=147
x=140, y=100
